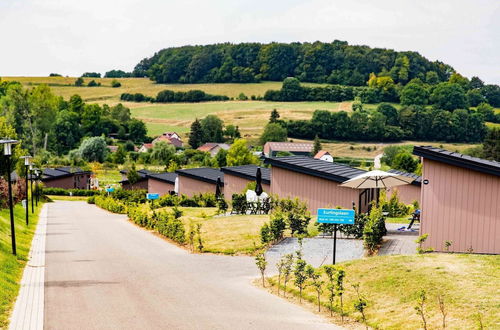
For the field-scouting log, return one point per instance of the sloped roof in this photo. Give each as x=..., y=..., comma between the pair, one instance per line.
x=321, y=153
x=166, y=177
x=248, y=172
x=205, y=174
x=290, y=146
x=61, y=172
x=316, y=167
x=417, y=178
x=456, y=159
x=211, y=145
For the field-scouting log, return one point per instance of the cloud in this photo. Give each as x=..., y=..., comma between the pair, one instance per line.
x=71, y=37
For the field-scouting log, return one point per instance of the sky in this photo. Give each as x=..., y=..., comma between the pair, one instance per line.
x=70, y=37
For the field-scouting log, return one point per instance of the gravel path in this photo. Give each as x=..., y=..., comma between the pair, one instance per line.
x=102, y=272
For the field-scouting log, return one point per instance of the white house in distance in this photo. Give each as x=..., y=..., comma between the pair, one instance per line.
x=213, y=148
x=324, y=155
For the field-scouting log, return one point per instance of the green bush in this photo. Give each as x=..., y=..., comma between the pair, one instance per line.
x=91, y=200
x=129, y=196
x=239, y=203
x=110, y=204
x=374, y=229
x=394, y=207
x=171, y=227
x=67, y=192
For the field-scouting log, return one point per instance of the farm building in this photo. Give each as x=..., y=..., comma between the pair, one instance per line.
x=271, y=149
x=146, y=147
x=460, y=201
x=410, y=192
x=141, y=184
x=317, y=182
x=213, y=148
x=66, y=177
x=236, y=178
x=162, y=183
x=324, y=155
x=169, y=137
x=194, y=181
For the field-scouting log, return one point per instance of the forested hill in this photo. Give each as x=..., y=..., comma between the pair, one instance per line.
x=334, y=63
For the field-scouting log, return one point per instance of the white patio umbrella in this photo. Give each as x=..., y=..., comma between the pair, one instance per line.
x=377, y=179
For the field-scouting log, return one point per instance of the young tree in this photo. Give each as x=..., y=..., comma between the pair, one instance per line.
x=314, y=276
x=330, y=271
x=196, y=134
x=132, y=175
x=120, y=155
x=360, y=303
x=287, y=270
x=273, y=119
x=239, y=154
x=422, y=298
x=317, y=145
x=300, y=276
x=260, y=261
x=273, y=132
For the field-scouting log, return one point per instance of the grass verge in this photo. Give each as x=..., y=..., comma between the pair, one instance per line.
x=11, y=267
x=470, y=285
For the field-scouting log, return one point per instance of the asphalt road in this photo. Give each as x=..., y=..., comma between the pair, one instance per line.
x=102, y=272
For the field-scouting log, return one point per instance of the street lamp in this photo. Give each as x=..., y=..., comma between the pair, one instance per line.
x=27, y=164
x=38, y=173
x=31, y=189
x=7, y=151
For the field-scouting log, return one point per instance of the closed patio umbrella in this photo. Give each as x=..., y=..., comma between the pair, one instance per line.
x=258, y=181
x=217, y=188
x=377, y=179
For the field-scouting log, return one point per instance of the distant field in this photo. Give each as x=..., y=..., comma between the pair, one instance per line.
x=106, y=94
x=250, y=116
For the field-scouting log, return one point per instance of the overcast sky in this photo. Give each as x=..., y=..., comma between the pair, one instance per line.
x=73, y=36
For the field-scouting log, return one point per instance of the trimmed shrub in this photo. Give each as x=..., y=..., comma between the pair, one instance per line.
x=171, y=227
x=69, y=192
x=110, y=204
x=374, y=229
x=239, y=203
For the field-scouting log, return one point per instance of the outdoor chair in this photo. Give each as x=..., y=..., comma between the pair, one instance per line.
x=414, y=217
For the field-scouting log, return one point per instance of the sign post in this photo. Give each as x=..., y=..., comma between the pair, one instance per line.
x=152, y=198
x=335, y=217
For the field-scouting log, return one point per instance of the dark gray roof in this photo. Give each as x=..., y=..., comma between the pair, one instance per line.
x=417, y=178
x=166, y=177
x=248, y=172
x=316, y=167
x=457, y=159
x=205, y=174
x=61, y=172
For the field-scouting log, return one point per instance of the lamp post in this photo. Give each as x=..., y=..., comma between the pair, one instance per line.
x=7, y=151
x=37, y=177
x=31, y=189
x=27, y=163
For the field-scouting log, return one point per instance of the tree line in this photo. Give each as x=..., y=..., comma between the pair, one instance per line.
x=456, y=93
x=45, y=122
x=169, y=96
x=336, y=62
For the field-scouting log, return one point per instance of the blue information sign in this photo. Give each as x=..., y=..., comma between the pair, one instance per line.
x=152, y=196
x=110, y=190
x=338, y=216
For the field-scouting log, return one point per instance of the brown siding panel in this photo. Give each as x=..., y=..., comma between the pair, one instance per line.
x=191, y=187
x=159, y=187
x=462, y=206
x=235, y=185
x=407, y=193
x=141, y=185
x=316, y=192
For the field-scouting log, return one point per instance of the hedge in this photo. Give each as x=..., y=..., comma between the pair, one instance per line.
x=165, y=223
x=110, y=204
x=69, y=192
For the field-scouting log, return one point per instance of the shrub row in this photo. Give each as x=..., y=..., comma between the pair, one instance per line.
x=169, y=96
x=110, y=204
x=165, y=223
x=69, y=192
x=200, y=200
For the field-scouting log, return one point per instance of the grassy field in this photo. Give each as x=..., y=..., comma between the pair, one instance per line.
x=469, y=283
x=64, y=86
x=249, y=116
x=11, y=267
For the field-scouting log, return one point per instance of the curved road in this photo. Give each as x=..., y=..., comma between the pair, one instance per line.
x=102, y=272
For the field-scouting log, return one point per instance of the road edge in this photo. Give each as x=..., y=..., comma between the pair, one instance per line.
x=28, y=310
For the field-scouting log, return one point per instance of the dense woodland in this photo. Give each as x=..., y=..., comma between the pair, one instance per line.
x=336, y=63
